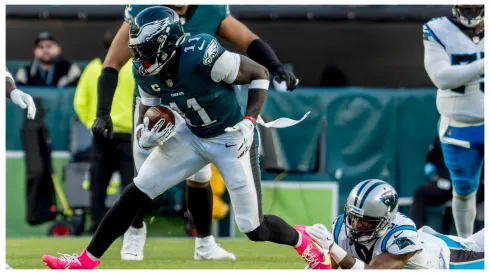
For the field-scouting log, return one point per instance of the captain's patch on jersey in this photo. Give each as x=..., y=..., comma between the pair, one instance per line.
x=211, y=53
x=403, y=242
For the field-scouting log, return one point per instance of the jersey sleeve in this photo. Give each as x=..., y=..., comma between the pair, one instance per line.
x=210, y=53
x=438, y=65
x=226, y=67
x=148, y=99
x=401, y=240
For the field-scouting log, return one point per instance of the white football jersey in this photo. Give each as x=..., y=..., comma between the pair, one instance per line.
x=400, y=238
x=454, y=62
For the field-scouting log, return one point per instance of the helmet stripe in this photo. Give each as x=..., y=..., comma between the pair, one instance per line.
x=371, y=188
x=360, y=190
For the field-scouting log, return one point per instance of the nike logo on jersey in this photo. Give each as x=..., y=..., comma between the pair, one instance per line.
x=396, y=236
x=202, y=45
x=229, y=145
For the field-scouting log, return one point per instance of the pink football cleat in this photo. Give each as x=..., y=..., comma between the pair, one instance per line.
x=66, y=261
x=312, y=252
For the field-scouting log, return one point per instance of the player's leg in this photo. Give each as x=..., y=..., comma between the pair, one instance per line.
x=461, y=258
x=135, y=238
x=243, y=186
x=199, y=199
x=465, y=165
x=103, y=165
x=166, y=166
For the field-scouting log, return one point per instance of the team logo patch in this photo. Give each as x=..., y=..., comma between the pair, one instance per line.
x=403, y=242
x=211, y=53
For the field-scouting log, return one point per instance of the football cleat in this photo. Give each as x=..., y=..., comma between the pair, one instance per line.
x=208, y=249
x=66, y=261
x=133, y=244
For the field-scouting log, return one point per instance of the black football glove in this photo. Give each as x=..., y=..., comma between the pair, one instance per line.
x=102, y=126
x=281, y=74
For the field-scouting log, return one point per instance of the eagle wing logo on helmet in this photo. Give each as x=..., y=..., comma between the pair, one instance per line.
x=390, y=199
x=211, y=52
x=147, y=31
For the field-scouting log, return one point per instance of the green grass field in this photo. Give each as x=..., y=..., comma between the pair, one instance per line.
x=160, y=253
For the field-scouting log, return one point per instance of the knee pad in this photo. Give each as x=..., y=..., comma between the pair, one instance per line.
x=463, y=187
x=259, y=234
x=203, y=175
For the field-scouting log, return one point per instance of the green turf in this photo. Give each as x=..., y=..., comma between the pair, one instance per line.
x=160, y=253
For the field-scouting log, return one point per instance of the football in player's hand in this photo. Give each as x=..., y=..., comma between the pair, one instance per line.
x=154, y=114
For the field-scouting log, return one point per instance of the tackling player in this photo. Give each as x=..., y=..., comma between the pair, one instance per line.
x=200, y=74
x=454, y=60
x=372, y=234
x=210, y=19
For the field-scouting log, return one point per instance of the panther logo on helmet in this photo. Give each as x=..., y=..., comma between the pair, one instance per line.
x=390, y=199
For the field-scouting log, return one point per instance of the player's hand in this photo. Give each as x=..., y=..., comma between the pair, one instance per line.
x=155, y=136
x=320, y=234
x=24, y=100
x=102, y=126
x=281, y=74
x=246, y=127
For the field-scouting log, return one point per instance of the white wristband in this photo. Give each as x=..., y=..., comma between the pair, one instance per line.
x=259, y=84
x=337, y=253
x=358, y=265
x=9, y=75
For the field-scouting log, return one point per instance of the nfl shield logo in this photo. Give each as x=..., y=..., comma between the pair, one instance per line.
x=476, y=39
x=170, y=83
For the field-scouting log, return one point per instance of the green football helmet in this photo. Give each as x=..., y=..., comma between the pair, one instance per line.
x=154, y=37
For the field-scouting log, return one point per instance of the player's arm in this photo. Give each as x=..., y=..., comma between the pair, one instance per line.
x=438, y=65
x=257, y=49
x=18, y=97
x=117, y=56
x=238, y=69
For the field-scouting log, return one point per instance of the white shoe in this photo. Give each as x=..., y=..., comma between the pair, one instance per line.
x=208, y=249
x=133, y=244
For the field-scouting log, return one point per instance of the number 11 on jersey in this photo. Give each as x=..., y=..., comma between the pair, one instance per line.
x=193, y=104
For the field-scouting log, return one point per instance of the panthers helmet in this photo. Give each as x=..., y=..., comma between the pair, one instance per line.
x=370, y=208
x=154, y=37
x=469, y=15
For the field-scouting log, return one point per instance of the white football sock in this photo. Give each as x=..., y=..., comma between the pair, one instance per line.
x=464, y=213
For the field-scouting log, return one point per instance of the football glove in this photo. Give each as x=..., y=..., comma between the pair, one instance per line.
x=24, y=100
x=320, y=234
x=102, y=126
x=281, y=74
x=246, y=127
x=155, y=136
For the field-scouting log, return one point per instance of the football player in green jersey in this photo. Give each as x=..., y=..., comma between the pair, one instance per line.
x=212, y=130
x=196, y=19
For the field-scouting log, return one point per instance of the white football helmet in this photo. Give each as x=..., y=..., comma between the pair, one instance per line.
x=370, y=208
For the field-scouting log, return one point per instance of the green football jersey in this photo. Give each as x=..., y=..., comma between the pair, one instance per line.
x=208, y=107
x=198, y=19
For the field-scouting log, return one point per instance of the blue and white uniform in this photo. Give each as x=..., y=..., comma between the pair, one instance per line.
x=432, y=250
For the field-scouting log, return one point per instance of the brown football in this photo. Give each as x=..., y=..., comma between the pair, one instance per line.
x=160, y=112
